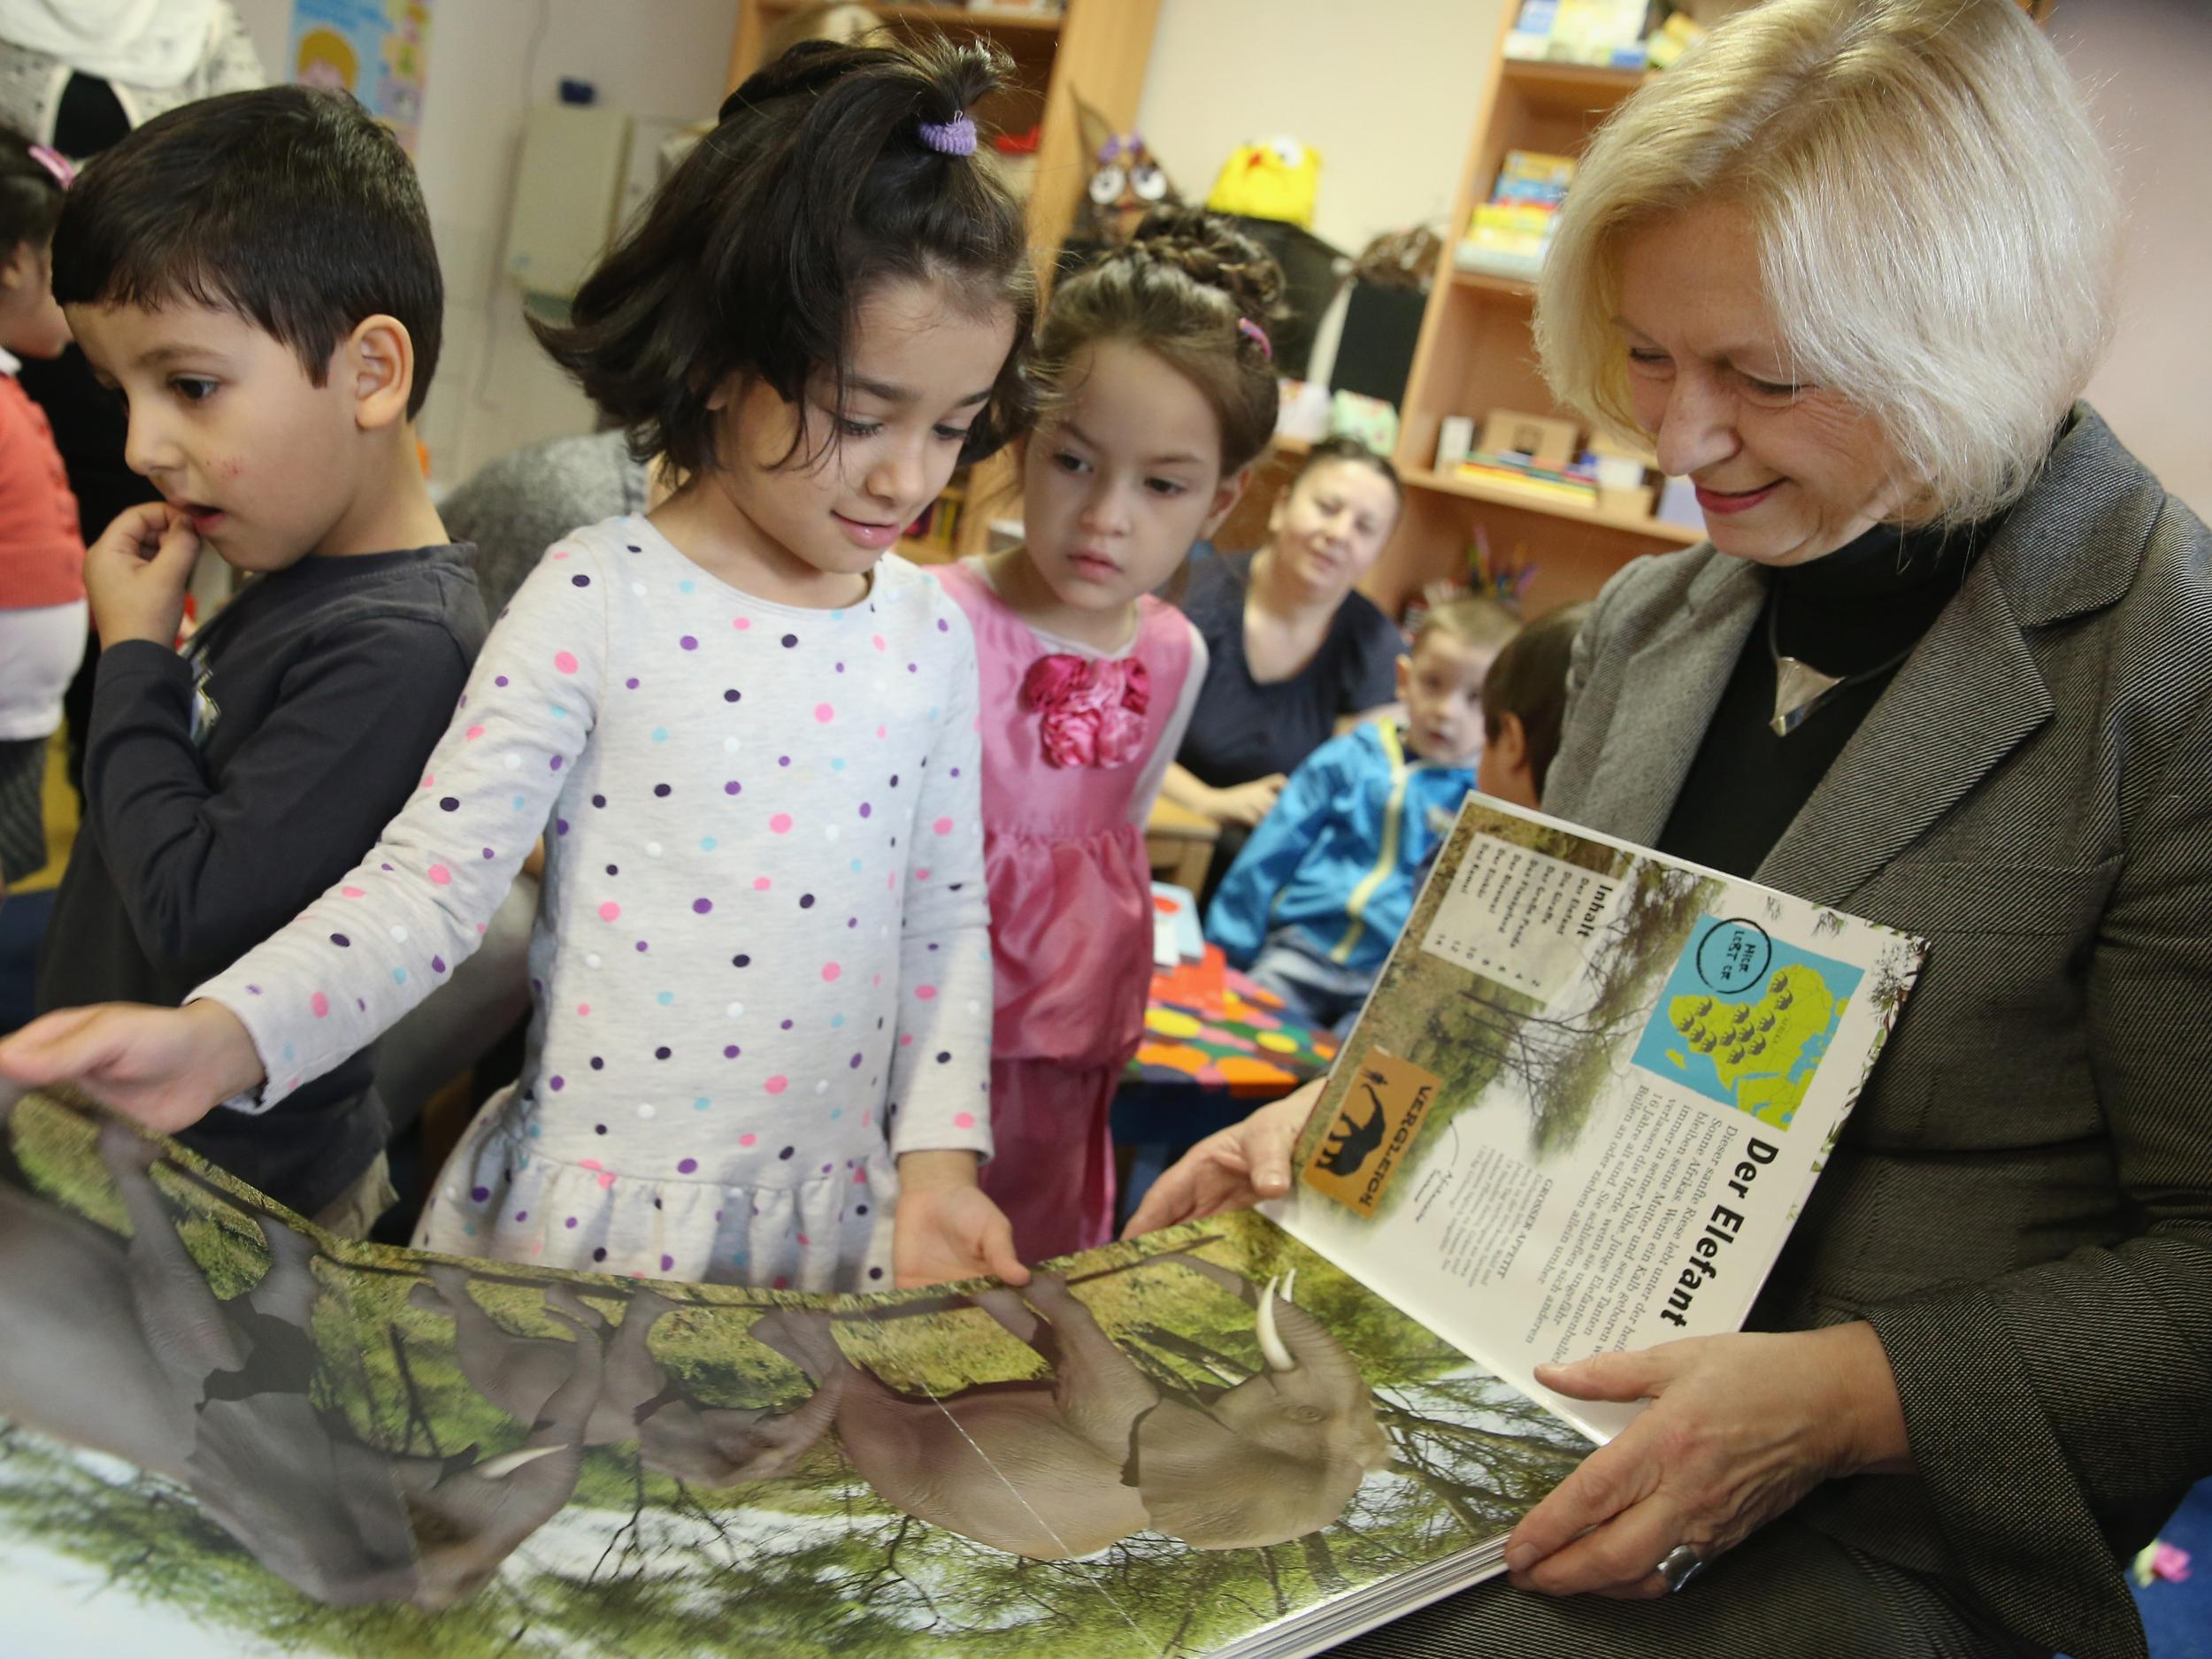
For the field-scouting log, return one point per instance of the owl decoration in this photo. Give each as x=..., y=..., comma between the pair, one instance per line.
x=1275, y=177
x=1126, y=181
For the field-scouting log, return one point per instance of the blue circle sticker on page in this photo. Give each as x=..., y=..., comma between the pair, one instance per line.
x=1732, y=956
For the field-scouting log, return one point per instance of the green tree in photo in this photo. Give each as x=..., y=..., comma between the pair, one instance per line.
x=811, y=1563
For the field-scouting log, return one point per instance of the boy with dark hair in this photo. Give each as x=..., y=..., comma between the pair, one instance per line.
x=1317, y=898
x=255, y=273
x=1524, y=705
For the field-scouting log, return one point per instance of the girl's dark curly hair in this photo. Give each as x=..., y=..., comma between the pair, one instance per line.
x=753, y=258
x=1182, y=289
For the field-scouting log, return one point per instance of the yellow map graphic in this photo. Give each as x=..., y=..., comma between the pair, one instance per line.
x=1758, y=1049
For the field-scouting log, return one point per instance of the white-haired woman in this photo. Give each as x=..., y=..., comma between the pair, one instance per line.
x=1946, y=662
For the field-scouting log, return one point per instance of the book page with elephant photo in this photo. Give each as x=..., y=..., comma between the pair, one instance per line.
x=224, y=1432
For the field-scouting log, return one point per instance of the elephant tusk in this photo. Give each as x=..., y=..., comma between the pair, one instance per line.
x=1290, y=1286
x=499, y=1467
x=1271, y=1348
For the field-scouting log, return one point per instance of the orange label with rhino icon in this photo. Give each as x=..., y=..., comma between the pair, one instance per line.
x=1377, y=1119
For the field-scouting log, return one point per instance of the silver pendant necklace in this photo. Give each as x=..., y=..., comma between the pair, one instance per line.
x=1801, y=690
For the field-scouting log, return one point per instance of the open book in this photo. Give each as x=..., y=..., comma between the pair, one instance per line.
x=1589, y=1094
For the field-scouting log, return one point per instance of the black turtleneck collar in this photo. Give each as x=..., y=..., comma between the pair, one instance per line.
x=1870, y=598
x=1857, y=610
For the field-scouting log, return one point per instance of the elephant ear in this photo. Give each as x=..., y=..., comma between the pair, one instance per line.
x=1204, y=1483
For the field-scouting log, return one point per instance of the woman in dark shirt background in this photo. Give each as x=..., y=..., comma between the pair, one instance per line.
x=1291, y=650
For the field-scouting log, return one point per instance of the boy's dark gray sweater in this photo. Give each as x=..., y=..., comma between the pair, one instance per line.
x=227, y=786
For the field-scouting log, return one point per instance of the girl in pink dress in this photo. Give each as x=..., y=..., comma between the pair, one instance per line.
x=1159, y=394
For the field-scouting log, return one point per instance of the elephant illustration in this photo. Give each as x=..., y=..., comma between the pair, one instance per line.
x=708, y=1445
x=1059, y=1468
x=119, y=1346
x=1350, y=1143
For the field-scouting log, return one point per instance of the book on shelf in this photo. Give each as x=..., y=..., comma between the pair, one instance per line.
x=1508, y=234
x=934, y=535
x=1666, y=43
x=1575, y=486
x=1602, y=34
x=1590, y=1092
x=1533, y=175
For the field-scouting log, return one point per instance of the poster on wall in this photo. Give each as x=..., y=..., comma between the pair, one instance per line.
x=377, y=49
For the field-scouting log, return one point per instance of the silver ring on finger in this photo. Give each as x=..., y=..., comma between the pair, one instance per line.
x=1679, y=1566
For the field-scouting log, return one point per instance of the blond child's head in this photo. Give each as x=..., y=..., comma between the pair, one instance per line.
x=1523, y=706
x=1441, y=680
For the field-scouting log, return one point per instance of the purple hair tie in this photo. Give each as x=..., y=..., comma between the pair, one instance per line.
x=1257, y=335
x=56, y=163
x=955, y=137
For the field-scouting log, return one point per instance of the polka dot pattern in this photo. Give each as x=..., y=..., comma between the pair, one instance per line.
x=679, y=758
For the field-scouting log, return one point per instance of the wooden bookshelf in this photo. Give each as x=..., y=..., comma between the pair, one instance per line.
x=1504, y=494
x=1475, y=355
x=1099, y=49
x=1511, y=288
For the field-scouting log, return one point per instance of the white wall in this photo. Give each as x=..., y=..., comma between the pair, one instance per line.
x=2148, y=65
x=489, y=61
x=1385, y=90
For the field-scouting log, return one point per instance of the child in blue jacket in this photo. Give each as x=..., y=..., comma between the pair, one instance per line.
x=1317, y=898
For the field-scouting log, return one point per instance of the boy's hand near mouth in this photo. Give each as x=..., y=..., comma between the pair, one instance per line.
x=135, y=575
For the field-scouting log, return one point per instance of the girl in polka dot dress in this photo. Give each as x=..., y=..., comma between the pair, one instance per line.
x=761, y=961
x=1160, y=394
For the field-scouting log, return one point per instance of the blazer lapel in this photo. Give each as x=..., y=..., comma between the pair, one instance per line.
x=1669, y=690
x=1970, y=695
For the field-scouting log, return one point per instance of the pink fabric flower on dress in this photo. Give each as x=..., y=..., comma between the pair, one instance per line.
x=1092, y=712
x=1046, y=683
x=1071, y=739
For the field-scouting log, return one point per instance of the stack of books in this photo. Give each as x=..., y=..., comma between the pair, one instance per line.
x=1622, y=470
x=1509, y=232
x=1606, y=33
x=930, y=539
x=1573, y=486
x=1671, y=39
